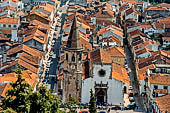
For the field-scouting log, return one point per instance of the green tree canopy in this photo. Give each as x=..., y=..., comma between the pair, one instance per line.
x=21, y=98
x=92, y=107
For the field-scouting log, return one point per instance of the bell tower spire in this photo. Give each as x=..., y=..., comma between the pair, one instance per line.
x=73, y=42
x=72, y=75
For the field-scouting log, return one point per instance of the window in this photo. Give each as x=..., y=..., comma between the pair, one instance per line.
x=9, y=26
x=15, y=26
x=73, y=58
x=102, y=73
x=79, y=56
x=165, y=87
x=155, y=87
x=67, y=56
x=4, y=25
x=118, y=59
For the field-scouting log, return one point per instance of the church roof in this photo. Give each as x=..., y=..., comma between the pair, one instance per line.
x=100, y=56
x=73, y=42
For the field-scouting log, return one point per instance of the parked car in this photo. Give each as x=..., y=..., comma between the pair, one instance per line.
x=102, y=112
x=116, y=108
x=130, y=87
x=131, y=99
x=84, y=111
x=130, y=106
x=130, y=94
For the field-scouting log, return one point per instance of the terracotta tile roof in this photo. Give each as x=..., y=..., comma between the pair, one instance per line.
x=157, y=8
x=156, y=56
x=167, y=25
x=100, y=56
x=106, y=22
x=158, y=25
x=31, y=51
x=6, y=31
x=166, y=38
x=167, y=52
x=4, y=39
x=86, y=45
x=119, y=73
x=2, y=87
x=148, y=42
x=145, y=26
x=114, y=1
x=163, y=103
x=22, y=62
x=137, y=32
x=5, y=8
x=34, y=60
x=116, y=52
x=145, y=50
x=103, y=13
x=116, y=40
x=159, y=79
x=131, y=10
x=164, y=20
x=39, y=24
x=130, y=1
x=30, y=78
x=37, y=35
x=123, y=7
x=142, y=71
x=9, y=20
x=44, y=16
x=27, y=66
x=161, y=91
x=106, y=29
x=164, y=5
x=5, y=88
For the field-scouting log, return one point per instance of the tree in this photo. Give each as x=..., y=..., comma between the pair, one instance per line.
x=21, y=98
x=17, y=97
x=92, y=107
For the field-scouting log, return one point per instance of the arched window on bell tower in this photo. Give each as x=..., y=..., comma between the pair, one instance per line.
x=79, y=57
x=67, y=56
x=73, y=58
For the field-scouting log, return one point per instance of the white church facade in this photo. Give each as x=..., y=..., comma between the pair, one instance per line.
x=107, y=80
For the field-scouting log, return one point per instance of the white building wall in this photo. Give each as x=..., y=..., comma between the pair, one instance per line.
x=152, y=47
x=115, y=87
x=159, y=87
x=82, y=29
x=132, y=16
x=110, y=33
x=144, y=55
x=133, y=29
x=14, y=36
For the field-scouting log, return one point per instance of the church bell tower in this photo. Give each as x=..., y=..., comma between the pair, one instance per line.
x=72, y=76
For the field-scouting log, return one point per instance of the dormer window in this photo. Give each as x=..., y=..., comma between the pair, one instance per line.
x=102, y=73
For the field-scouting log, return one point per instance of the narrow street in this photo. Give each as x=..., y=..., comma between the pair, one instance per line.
x=133, y=79
x=56, y=49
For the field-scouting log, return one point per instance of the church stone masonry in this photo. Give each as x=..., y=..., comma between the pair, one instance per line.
x=72, y=77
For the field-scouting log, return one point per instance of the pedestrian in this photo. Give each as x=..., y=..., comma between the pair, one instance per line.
x=108, y=110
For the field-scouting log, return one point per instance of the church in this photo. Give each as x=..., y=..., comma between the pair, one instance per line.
x=96, y=72
x=106, y=79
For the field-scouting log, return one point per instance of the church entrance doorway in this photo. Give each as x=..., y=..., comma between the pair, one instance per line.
x=101, y=96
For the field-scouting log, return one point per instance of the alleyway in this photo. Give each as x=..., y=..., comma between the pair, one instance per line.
x=133, y=79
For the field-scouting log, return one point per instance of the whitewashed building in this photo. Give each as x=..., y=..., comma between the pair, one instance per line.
x=107, y=80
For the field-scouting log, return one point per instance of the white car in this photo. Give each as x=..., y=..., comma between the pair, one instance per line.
x=130, y=87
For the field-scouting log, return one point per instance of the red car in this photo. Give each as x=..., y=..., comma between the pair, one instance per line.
x=84, y=111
